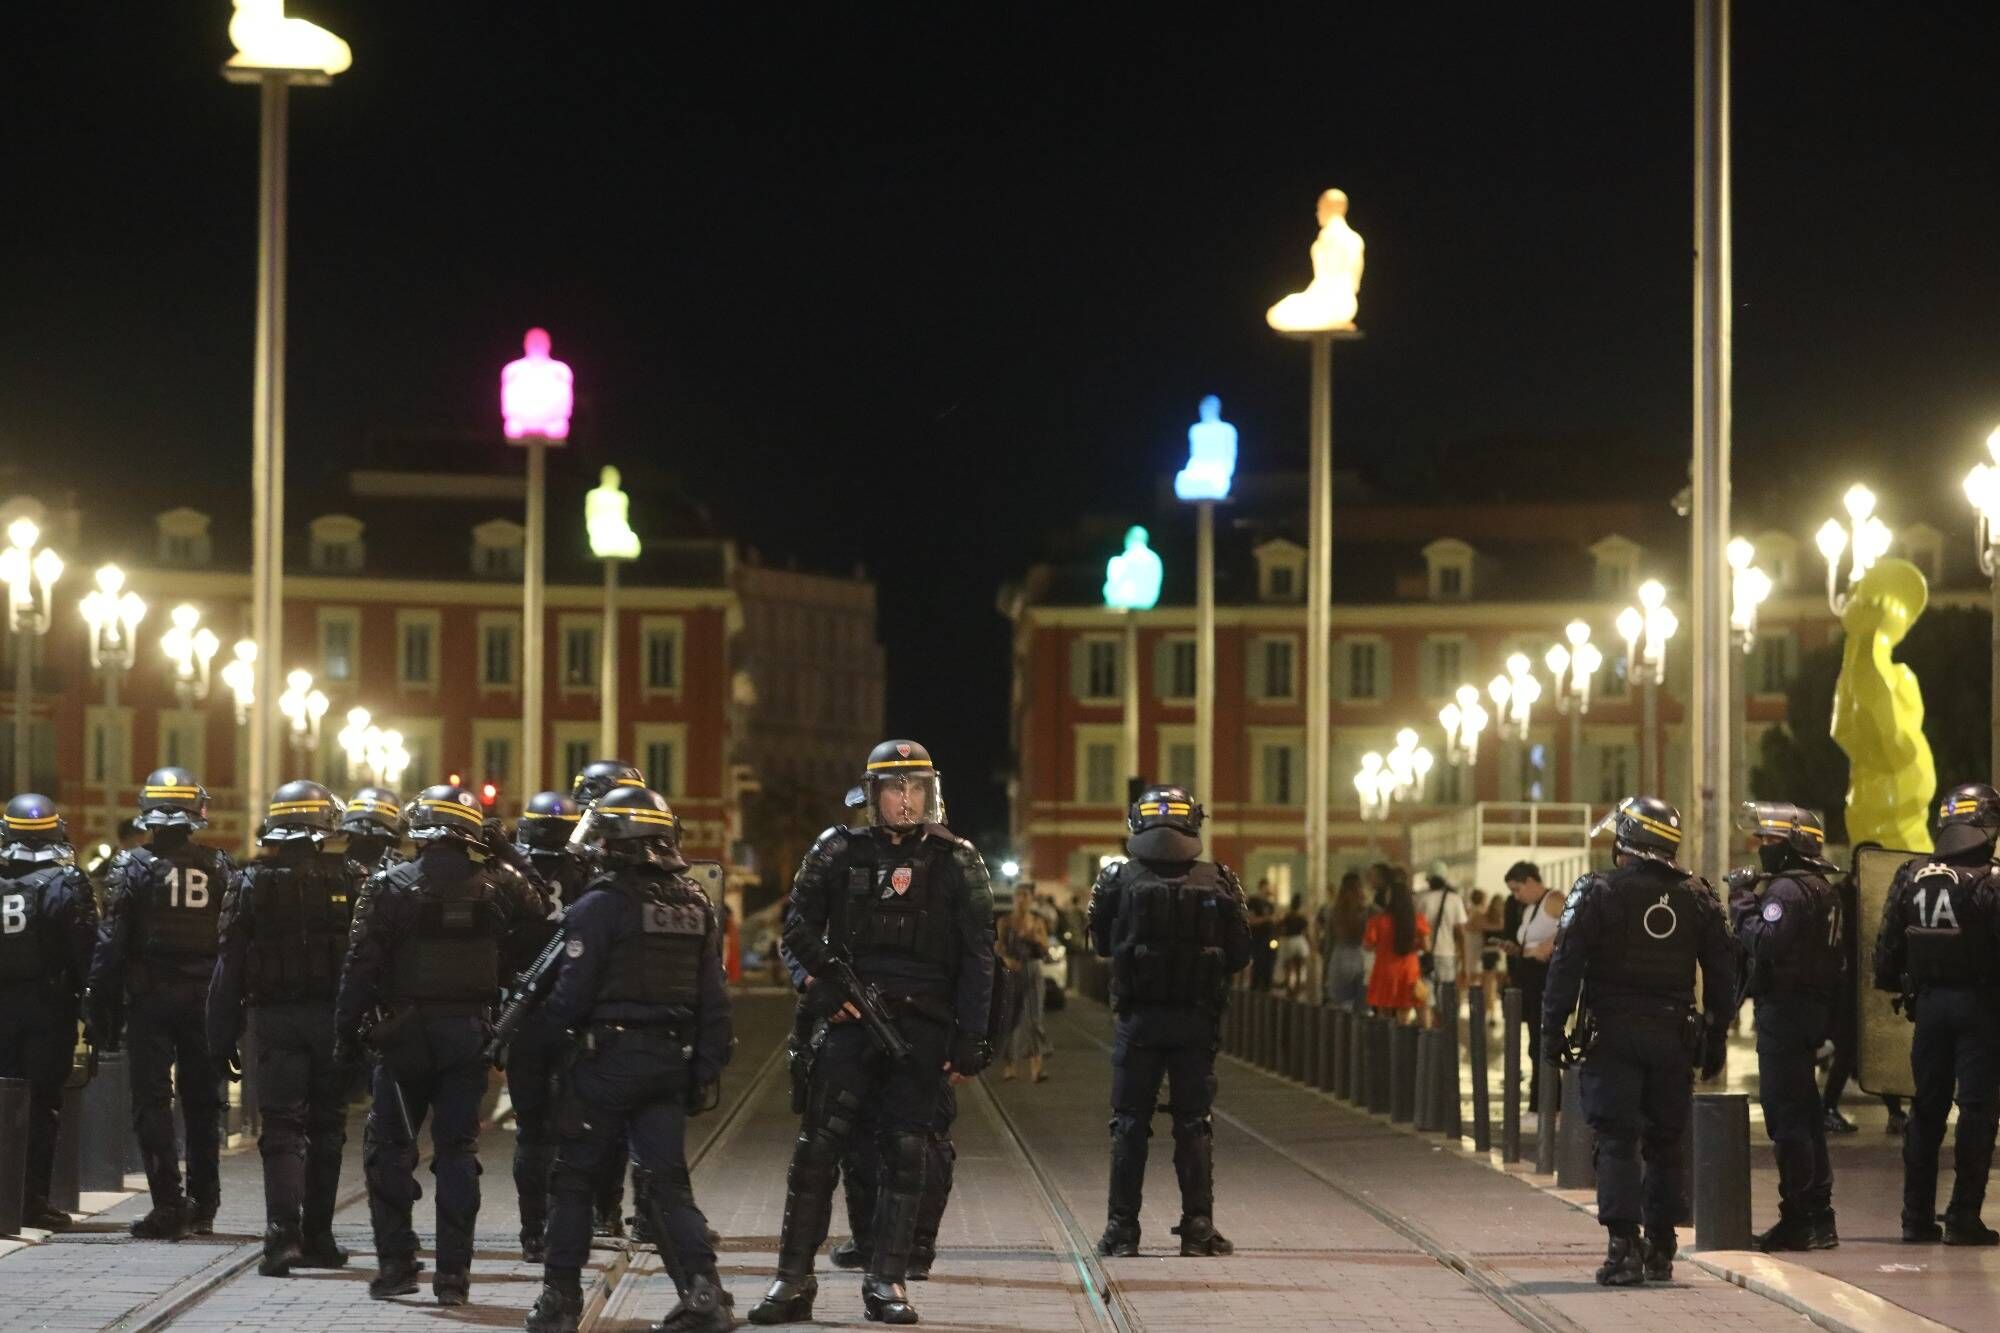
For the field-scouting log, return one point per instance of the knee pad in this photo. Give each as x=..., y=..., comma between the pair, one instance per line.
x=283, y=1134
x=834, y=1112
x=904, y=1158
x=1128, y=1125
x=1193, y=1127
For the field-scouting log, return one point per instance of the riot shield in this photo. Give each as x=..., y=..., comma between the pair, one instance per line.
x=1882, y=1062
x=708, y=874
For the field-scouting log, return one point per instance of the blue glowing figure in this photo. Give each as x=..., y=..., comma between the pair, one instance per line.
x=1211, y=456
x=1132, y=580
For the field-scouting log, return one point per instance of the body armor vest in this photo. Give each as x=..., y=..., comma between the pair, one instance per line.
x=299, y=913
x=1650, y=944
x=1166, y=943
x=178, y=898
x=659, y=963
x=893, y=904
x=452, y=953
x=1948, y=936
x=1820, y=957
x=21, y=924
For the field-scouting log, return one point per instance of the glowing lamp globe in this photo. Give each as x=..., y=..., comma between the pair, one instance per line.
x=536, y=392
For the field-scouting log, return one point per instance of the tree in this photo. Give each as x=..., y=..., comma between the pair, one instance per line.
x=1798, y=760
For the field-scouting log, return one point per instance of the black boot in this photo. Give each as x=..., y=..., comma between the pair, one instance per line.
x=39, y=1213
x=1790, y=1233
x=1821, y=1233
x=923, y=1253
x=851, y=1253
x=1658, y=1251
x=1120, y=1239
x=281, y=1252
x=1623, y=1265
x=1128, y=1189
x=1199, y=1237
x=608, y=1224
x=321, y=1251
x=789, y=1301
x=167, y=1221
x=531, y=1187
x=886, y=1301
x=1968, y=1231
x=558, y=1309
x=452, y=1288
x=397, y=1277
x=1918, y=1231
x=704, y=1308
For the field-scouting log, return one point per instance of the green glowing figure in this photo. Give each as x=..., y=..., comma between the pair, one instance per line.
x=1878, y=713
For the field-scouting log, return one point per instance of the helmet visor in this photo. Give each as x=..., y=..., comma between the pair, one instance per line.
x=905, y=800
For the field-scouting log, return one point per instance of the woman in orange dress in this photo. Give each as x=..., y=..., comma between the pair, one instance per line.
x=1397, y=938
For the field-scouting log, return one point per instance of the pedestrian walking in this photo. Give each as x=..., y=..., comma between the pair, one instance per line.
x=1397, y=936
x=1022, y=947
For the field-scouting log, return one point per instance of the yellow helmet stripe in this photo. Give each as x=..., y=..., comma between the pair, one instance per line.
x=452, y=808
x=1667, y=831
x=539, y=814
x=173, y=791
x=298, y=807
x=644, y=816
x=899, y=763
x=376, y=808
x=49, y=821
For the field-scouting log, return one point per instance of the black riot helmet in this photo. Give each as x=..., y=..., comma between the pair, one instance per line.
x=547, y=821
x=1165, y=824
x=634, y=824
x=1803, y=831
x=599, y=776
x=33, y=829
x=172, y=798
x=300, y=810
x=375, y=812
x=905, y=768
x=1968, y=818
x=446, y=813
x=1644, y=826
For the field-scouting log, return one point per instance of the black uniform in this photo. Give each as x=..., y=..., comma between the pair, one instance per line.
x=641, y=983
x=48, y=927
x=1175, y=932
x=534, y=1053
x=1628, y=945
x=1940, y=927
x=156, y=952
x=1790, y=928
x=915, y=915
x=284, y=932
x=430, y=952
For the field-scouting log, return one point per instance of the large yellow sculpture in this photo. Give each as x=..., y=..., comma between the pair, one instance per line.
x=1878, y=713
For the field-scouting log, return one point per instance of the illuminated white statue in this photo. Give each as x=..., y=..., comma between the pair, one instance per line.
x=1132, y=580
x=266, y=39
x=536, y=392
x=606, y=516
x=1329, y=303
x=1211, y=456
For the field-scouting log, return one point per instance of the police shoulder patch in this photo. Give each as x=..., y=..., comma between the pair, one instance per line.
x=1773, y=909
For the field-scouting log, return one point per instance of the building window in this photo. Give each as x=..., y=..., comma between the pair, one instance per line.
x=1366, y=662
x=1176, y=756
x=1451, y=582
x=1614, y=680
x=416, y=647
x=496, y=759
x=339, y=644
x=660, y=645
x=1617, y=766
x=1097, y=668
x=183, y=735
x=1273, y=663
x=1774, y=661
x=1100, y=779
x=1280, y=773
x=579, y=656
x=108, y=740
x=183, y=538
x=1280, y=570
x=1617, y=558
x=1178, y=677
x=1281, y=581
x=1444, y=665
x=662, y=753
x=335, y=545
x=497, y=545
x=497, y=653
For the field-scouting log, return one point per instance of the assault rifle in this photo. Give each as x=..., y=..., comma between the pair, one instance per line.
x=530, y=985
x=845, y=985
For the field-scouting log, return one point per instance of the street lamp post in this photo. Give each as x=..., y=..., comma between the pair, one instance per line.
x=537, y=393
x=1571, y=666
x=1205, y=480
x=1865, y=539
x=1646, y=629
x=303, y=707
x=30, y=573
x=1132, y=581
x=606, y=517
x=276, y=54
x=191, y=647
x=1463, y=720
x=240, y=675
x=113, y=613
x=370, y=749
x=1749, y=588
x=1982, y=488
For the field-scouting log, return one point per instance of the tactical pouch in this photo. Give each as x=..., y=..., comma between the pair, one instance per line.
x=1940, y=957
x=396, y=1032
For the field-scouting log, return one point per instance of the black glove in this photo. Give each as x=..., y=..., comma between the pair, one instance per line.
x=230, y=1060
x=970, y=1055
x=1555, y=1047
x=704, y=1097
x=1714, y=1052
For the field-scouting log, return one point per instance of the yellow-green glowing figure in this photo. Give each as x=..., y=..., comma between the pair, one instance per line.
x=1878, y=713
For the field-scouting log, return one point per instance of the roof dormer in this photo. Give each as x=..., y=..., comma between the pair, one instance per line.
x=335, y=545
x=1448, y=570
x=497, y=548
x=182, y=538
x=1617, y=571
x=1778, y=556
x=1281, y=571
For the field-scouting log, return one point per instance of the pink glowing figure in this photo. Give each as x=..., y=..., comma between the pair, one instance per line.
x=536, y=392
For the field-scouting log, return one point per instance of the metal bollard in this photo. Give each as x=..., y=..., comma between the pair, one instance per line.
x=1300, y=1053
x=1329, y=1052
x=1510, y=1075
x=1402, y=1075
x=1267, y=1022
x=1576, y=1143
x=1340, y=1053
x=1380, y=1032
x=66, y=1171
x=1425, y=1118
x=1451, y=1114
x=105, y=1123
x=1722, y=1171
x=1545, y=1118
x=13, y=1152
x=1482, y=1111
x=1313, y=1038
x=1281, y=1035
x=1357, y=1058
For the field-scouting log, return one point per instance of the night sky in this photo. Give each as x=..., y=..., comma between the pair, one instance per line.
x=918, y=288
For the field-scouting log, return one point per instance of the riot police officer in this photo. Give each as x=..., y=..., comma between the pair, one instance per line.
x=373, y=827
x=588, y=787
x=641, y=984
x=1788, y=923
x=157, y=946
x=1940, y=926
x=284, y=933
x=1175, y=929
x=905, y=902
x=542, y=839
x=48, y=926
x=1625, y=960
x=428, y=959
